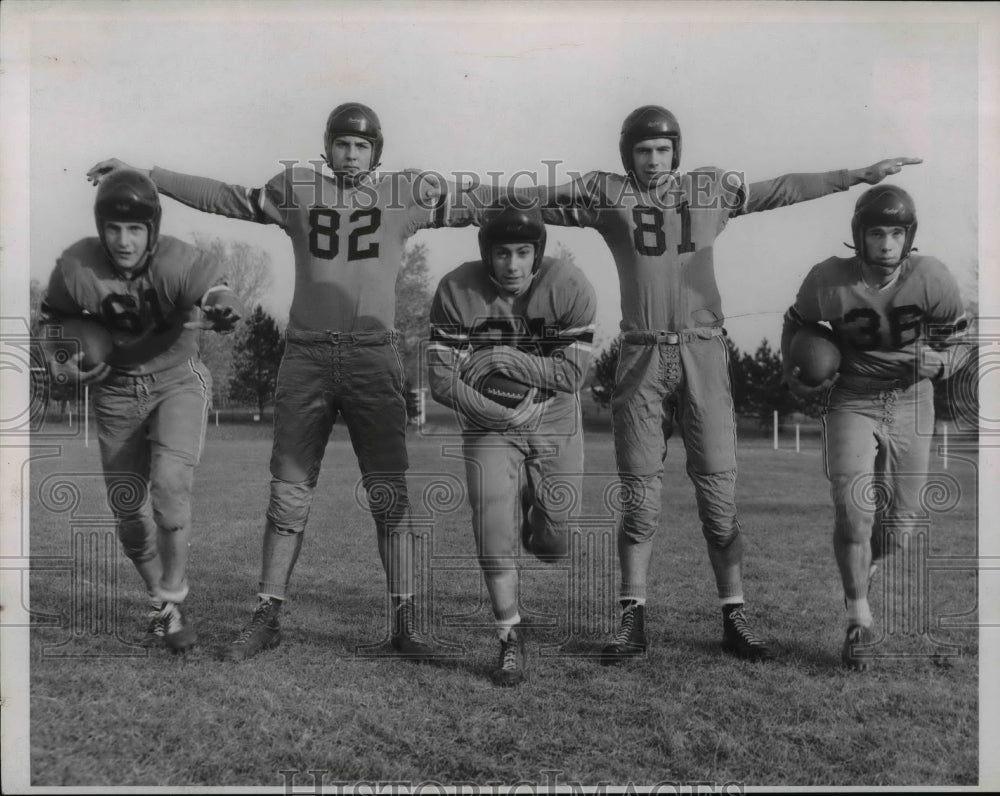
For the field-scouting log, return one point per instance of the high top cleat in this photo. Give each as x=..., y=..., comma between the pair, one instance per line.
x=261, y=633
x=630, y=640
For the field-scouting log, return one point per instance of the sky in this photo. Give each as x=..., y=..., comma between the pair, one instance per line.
x=479, y=87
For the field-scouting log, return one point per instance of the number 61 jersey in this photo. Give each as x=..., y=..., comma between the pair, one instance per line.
x=144, y=312
x=348, y=239
x=879, y=328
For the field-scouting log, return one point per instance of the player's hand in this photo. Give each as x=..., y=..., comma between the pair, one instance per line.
x=71, y=372
x=930, y=363
x=100, y=170
x=503, y=359
x=879, y=171
x=430, y=185
x=803, y=390
x=221, y=310
x=221, y=319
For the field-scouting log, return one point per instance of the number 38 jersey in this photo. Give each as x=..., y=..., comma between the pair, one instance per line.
x=348, y=240
x=878, y=328
x=146, y=312
x=662, y=239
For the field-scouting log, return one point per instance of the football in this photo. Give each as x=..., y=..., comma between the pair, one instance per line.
x=814, y=351
x=506, y=391
x=81, y=334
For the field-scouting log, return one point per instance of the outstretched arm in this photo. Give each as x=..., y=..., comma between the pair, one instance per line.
x=790, y=189
x=201, y=193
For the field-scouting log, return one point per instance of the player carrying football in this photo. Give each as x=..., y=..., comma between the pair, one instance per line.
x=151, y=395
x=661, y=226
x=894, y=315
x=534, y=316
x=348, y=228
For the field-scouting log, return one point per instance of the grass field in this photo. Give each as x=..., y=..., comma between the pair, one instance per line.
x=105, y=713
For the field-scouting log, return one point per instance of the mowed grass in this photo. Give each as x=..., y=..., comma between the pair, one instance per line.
x=103, y=712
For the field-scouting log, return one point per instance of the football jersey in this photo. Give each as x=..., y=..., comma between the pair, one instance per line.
x=145, y=313
x=552, y=319
x=348, y=240
x=662, y=238
x=878, y=329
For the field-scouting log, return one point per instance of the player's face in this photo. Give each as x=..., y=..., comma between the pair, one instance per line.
x=350, y=154
x=884, y=245
x=652, y=158
x=127, y=242
x=512, y=264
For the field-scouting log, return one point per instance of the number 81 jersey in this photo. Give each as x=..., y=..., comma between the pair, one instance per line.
x=661, y=240
x=879, y=328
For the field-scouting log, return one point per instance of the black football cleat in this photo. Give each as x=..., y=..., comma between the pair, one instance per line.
x=630, y=640
x=738, y=638
x=406, y=639
x=856, y=654
x=262, y=632
x=512, y=668
x=178, y=633
x=156, y=627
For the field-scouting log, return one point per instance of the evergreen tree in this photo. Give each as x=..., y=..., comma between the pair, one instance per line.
x=257, y=354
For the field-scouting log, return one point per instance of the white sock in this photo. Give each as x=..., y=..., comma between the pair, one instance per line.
x=504, y=626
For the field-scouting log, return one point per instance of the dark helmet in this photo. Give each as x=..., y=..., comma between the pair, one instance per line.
x=649, y=121
x=509, y=222
x=127, y=195
x=884, y=206
x=353, y=118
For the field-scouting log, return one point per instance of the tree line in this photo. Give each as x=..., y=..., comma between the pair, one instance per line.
x=758, y=390
x=244, y=364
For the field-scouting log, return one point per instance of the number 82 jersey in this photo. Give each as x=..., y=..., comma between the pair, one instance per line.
x=348, y=239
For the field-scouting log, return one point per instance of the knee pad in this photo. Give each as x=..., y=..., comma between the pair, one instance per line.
x=137, y=534
x=289, y=505
x=548, y=542
x=640, y=506
x=172, y=482
x=853, y=509
x=721, y=539
x=715, y=494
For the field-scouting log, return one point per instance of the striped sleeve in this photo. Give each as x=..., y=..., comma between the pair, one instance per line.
x=449, y=339
x=947, y=322
x=259, y=205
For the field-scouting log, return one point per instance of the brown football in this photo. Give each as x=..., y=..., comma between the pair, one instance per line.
x=506, y=391
x=81, y=334
x=814, y=351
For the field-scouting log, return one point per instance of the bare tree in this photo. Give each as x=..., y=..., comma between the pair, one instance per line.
x=248, y=268
x=248, y=273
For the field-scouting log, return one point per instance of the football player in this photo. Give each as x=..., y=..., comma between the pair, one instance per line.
x=151, y=395
x=896, y=316
x=661, y=225
x=530, y=317
x=347, y=227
